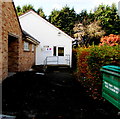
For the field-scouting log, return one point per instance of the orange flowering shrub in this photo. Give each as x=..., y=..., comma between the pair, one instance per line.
x=111, y=40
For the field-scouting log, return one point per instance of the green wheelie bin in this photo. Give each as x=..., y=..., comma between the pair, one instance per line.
x=111, y=84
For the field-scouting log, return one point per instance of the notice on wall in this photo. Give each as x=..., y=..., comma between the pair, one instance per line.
x=47, y=48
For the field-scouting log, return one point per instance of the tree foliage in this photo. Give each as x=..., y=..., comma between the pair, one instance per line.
x=64, y=19
x=88, y=34
x=41, y=13
x=25, y=8
x=53, y=18
x=90, y=27
x=94, y=32
x=85, y=18
x=110, y=21
x=19, y=10
x=28, y=7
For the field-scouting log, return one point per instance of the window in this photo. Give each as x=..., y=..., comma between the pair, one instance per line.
x=26, y=46
x=33, y=47
x=60, y=51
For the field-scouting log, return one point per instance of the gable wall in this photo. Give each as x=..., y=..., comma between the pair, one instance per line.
x=46, y=33
x=40, y=28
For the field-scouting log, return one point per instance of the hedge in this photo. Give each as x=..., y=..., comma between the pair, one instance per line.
x=89, y=62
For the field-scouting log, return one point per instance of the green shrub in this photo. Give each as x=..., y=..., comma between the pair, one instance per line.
x=89, y=62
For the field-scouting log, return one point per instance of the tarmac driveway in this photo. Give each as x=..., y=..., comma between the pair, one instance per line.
x=55, y=95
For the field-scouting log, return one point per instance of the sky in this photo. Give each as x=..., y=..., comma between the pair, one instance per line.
x=78, y=5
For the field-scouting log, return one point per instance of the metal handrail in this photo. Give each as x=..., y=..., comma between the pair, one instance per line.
x=57, y=59
x=46, y=60
x=68, y=58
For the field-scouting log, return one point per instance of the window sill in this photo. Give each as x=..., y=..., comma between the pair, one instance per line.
x=26, y=50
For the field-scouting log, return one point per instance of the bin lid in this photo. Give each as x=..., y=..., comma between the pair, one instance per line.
x=112, y=68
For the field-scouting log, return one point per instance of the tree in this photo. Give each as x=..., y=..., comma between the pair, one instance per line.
x=83, y=15
x=94, y=32
x=64, y=19
x=41, y=13
x=93, y=26
x=88, y=34
x=24, y=9
x=109, y=18
x=85, y=18
x=28, y=7
x=54, y=16
x=19, y=10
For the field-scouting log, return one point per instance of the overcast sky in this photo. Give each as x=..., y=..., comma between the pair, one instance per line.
x=49, y=5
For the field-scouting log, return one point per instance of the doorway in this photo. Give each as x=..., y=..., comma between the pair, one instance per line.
x=12, y=54
x=58, y=51
x=59, y=54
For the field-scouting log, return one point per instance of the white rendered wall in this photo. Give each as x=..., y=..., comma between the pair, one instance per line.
x=48, y=35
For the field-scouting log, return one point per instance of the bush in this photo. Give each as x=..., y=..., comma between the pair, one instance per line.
x=111, y=40
x=89, y=62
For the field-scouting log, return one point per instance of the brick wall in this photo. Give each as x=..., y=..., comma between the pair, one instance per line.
x=28, y=58
x=0, y=40
x=10, y=25
x=12, y=55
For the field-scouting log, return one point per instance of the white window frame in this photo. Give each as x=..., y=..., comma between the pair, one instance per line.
x=26, y=46
x=63, y=50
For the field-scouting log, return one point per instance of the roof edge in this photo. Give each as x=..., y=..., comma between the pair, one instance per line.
x=16, y=15
x=30, y=38
x=46, y=22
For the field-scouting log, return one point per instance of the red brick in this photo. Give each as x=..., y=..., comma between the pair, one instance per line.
x=19, y=60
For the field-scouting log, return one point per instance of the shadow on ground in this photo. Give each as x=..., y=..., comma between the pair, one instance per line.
x=55, y=95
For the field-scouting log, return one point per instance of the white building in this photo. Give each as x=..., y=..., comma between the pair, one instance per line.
x=55, y=46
